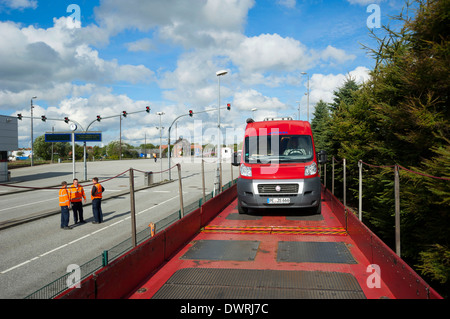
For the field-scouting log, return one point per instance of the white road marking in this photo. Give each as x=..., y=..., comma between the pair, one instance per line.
x=33, y=203
x=85, y=236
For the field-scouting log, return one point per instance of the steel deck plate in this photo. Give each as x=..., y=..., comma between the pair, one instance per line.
x=238, y=250
x=214, y=283
x=243, y=217
x=314, y=252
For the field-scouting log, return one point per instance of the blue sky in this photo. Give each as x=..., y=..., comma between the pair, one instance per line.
x=125, y=55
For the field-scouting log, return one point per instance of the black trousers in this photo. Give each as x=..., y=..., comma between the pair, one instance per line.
x=77, y=208
x=97, y=210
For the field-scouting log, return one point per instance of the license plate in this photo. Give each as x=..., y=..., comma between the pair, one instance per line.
x=278, y=200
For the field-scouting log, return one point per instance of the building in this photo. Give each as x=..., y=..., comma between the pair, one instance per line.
x=9, y=141
x=196, y=150
x=181, y=148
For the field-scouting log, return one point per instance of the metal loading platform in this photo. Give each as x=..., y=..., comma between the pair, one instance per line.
x=275, y=254
x=216, y=253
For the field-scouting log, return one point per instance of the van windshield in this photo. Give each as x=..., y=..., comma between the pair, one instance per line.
x=278, y=148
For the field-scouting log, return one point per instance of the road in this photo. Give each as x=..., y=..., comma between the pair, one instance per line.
x=35, y=253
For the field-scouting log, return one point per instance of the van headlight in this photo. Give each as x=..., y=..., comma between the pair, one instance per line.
x=311, y=169
x=246, y=170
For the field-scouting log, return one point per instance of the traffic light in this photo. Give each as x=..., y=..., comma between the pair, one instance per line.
x=19, y=116
x=99, y=118
x=43, y=118
x=147, y=109
x=66, y=119
x=228, y=106
x=124, y=113
x=191, y=113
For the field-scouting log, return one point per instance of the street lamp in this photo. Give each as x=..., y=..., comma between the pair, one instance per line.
x=219, y=162
x=32, y=107
x=304, y=73
x=160, y=139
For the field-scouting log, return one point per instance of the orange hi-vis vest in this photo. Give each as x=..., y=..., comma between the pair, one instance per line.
x=76, y=194
x=64, y=197
x=99, y=191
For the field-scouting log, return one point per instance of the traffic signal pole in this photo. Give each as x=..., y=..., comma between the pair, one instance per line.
x=98, y=119
x=191, y=113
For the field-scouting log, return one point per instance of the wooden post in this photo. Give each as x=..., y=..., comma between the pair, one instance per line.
x=133, y=211
x=397, y=209
x=180, y=190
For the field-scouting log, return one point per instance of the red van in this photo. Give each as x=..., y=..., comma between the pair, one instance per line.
x=278, y=166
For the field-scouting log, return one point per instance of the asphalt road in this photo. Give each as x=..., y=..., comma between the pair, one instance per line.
x=35, y=251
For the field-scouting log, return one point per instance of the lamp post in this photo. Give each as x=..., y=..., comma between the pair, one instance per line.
x=160, y=139
x=32, y=107
x=219, y=161
x=304, y=73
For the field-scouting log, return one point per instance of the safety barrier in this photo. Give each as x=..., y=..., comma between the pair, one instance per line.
x=60, y=284
x=403, y=281
x=396, y=170
x=119, y=277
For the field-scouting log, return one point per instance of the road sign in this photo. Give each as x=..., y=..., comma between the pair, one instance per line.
x=88, y=137
x=58, y=137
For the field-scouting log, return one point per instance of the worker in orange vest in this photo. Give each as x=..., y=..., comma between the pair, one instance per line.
x=96, y=196
x=76, y=196
x=64, y=203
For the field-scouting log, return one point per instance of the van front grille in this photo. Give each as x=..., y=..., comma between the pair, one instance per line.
x=283, y=188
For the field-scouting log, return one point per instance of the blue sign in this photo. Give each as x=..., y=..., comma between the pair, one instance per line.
x=88, y=137
x=58, y=137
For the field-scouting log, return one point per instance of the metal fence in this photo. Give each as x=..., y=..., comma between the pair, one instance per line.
x=60, y=284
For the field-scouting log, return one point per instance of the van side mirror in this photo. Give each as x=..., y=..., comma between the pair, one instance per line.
x=323, y=157
x=235, y=161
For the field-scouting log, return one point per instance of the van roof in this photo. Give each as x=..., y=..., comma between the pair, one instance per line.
x=285, y=127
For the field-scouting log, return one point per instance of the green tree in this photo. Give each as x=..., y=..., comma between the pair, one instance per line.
x=43, y=149
x=401, y=116
x=320, y=125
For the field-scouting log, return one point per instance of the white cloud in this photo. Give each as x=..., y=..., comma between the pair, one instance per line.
x=19, y=4
x=322, y=86
x=249, y=99
x=271, y=52
x=41, y=59
x=189, y=23
x=140, y=45
x=332, y=53
x=65, y=67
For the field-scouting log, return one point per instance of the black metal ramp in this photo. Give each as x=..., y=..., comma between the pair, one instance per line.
x=211, y=283
x=314, y=252
x=238, y=250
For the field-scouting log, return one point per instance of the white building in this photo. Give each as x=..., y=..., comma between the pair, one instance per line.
x=9, y=141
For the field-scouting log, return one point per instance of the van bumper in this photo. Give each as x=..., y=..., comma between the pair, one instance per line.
x=251, y=196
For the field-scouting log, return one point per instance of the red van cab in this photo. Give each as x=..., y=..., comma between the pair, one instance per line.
x=278, y=166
